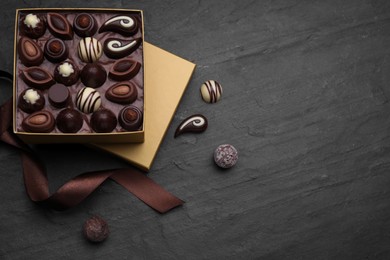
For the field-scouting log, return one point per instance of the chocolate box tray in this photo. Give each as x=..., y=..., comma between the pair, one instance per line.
x=29, y=75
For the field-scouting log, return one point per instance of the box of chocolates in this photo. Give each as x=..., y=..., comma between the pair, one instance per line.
x=79, y=76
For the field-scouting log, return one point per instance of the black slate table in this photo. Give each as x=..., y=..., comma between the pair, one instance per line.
x=306, y=103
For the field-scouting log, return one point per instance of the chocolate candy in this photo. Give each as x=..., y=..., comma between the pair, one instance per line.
x=117, y=48
x=66, y=73
x=59, y=26
x=88, y=100
x=55, y=50
x=59, y=96
x=95, y=229
x=122, y=93
x=32, y=26
x=194, y=124
x=93, y=75
x=225, y=156
x=124, y=25
x=31, y=100
x=103, y=121
x=124, y=69
x=89, y=49
x=130, y=118
x=39, y=122
x=69, y=120
x=30, y=54
x=84, y=25
x=211, y=91
x=36, y=77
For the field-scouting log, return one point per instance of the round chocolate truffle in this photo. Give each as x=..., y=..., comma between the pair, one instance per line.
x=32, y=26
x=31, y=100
x=55, y=50
x=225, y=156
x=85, y=25
x=103, y=121
x=211, y=91
x=66, y=73
x=69, y=120
x=130, y=118
x=58, y=96
x=95, y=229
x=90, y=49
x=93, y=75
x=88, y=100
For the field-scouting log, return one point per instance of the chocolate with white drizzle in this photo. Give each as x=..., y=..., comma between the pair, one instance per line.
x=89, y=49
x=88, y=100
x=211, y=91
x=122, y=24
x=115, y=48
x=193, y=124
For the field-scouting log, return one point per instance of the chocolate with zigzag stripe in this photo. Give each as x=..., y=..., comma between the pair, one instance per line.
x=88, y=100
x=211, y=91
x=89, y=49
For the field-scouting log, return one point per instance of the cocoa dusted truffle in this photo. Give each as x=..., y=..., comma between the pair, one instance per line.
x=59, y=26
x=124, y=69
x=225, y=156
x=130, y=118
x=30, y=54
x=39, y=122
x=31, y=100
x=37, y=77
x=55, y=50
x=95, y=229
x=103, y=121
x=122, y=24
x=59, y=96
x=33, y=26
x=85, y=25
x=69, y=120
x=93, y=75
x=66, y=73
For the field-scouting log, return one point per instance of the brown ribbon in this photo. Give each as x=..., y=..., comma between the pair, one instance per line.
x=77, y=189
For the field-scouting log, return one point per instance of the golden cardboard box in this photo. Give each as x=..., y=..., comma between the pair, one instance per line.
x=167, y=78
x=116, y=137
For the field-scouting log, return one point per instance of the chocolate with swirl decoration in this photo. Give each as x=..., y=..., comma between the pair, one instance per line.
x=122, y=24
x=211, y=91
x=194, y=124
x=115, y=48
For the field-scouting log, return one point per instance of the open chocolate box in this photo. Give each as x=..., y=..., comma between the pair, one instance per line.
x=79, y=76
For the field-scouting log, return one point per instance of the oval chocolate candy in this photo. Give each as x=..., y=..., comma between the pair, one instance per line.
x=115, y=48
x=193, y=124
x=124, y=69
x=37, y=77
x=122, y=93
x=122, y=24
x=39, y=122
x=59, y=26
x=30, y=54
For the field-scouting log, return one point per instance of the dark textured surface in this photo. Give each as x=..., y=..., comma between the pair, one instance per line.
x=305, y=103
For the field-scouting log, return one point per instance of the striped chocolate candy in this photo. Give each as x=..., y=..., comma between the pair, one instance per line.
x=211, y=91
x=88, y=100
x=90, y=49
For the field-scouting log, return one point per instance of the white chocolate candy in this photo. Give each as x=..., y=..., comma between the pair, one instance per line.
x=88, y=100
x=90, y=49
x=31, y=96
x=211, y=91
x=65, y=69
x=31, y=20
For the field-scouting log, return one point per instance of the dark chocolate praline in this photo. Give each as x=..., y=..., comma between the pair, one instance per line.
x=55, y=50
x=39, y=122
x=30, y=54
x=59, y=96
x=122, y=93
x=36, y=77
x=31, y=100
x=85, y=25
x=103, y=121
x=93, y=75
x=130, y=118
x=124, y=69
x=59, y=26
x=66, y=73
x=122, y=24
x=33, y=26
x=69, y=120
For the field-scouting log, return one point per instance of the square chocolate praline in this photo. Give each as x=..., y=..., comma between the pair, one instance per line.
x=103, y=33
